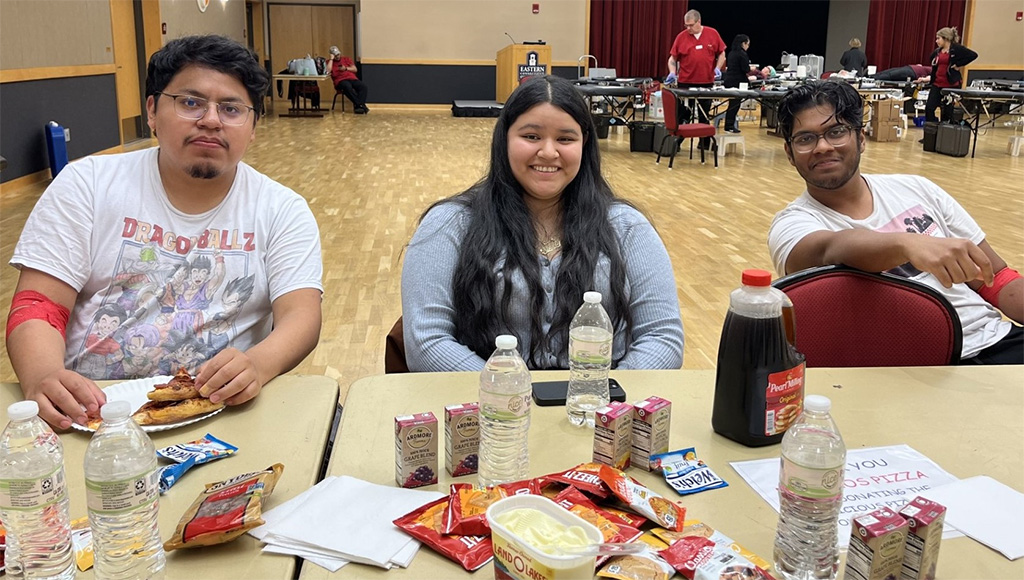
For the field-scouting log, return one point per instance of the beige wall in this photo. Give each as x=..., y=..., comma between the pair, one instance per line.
x=183, y=18
x=996, y=35
x=49, y=33
x=424, y=31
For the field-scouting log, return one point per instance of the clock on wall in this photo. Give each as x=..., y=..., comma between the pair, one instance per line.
x=203, y=4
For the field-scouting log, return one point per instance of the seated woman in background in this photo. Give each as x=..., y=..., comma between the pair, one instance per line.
x=515, y=252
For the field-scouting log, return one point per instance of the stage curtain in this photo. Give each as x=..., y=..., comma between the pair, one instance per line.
x=902, y=32
x=634, y=36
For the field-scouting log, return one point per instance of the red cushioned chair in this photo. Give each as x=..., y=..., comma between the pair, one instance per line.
x=850, y=318
x=691, y=131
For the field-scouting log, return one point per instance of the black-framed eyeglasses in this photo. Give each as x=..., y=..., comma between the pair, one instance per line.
x=836, y=136
x=194, y=108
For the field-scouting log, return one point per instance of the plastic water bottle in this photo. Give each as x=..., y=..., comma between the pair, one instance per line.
x=34, y=497
x=122, y=496
x=810, y=494
x=590, y=357
x=505, y=396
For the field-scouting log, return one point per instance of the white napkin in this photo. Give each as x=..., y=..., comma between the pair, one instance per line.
x=351, y=519
x=331, y=564
x=986, y=510
x=273, y=516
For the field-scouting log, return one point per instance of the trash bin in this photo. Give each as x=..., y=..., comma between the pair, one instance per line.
x=56, y=147
x=602, y=123
x=641, y=136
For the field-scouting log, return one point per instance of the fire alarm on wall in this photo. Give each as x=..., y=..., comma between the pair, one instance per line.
x=536, y=9
x=1020, y=16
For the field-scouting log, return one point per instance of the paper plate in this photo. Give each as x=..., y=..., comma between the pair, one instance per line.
x=134, y=392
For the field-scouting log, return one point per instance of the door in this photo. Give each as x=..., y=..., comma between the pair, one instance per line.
x=126, y=73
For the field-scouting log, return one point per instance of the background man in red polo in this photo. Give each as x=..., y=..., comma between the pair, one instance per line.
x=696, y=54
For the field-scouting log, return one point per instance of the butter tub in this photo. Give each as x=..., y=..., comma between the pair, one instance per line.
x=514, y=559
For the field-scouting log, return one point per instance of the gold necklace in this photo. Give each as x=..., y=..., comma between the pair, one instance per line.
x=549, y=247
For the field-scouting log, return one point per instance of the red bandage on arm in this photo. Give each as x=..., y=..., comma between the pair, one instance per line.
x=999, y=281
x=31, y=305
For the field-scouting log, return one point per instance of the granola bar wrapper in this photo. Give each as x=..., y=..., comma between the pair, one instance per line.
x=425, y=524
x=642, y=500
x=646, y=565
x=699, y=558
x=700, y=529
x=225, y=510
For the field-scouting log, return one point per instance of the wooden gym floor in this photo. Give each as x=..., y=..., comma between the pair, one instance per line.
x=368, y=179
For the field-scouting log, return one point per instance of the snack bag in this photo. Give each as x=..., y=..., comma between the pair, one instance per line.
x=685, y=473
x=612, y=530
x=523, y=487
x=81, y=543
x=698, y=528
x=225, y=510
x=187, y=455
x=643, y=566
x=699, y=558
x=585, y=477
x=466, y=514
x=424, y=524
x=642, y=500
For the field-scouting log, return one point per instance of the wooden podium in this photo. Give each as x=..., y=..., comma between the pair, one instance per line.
x=516, y=61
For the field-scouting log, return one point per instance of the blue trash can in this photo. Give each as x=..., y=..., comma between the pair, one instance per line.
x=56, y=147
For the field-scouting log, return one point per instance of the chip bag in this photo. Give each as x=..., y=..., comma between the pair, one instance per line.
x=700, y=529
x=612, y=529
x=225, y=510
x=699, y=558
x=585, y=477
x=643, y=566
x=466, y=514
x=424, y=524
x=642, y=500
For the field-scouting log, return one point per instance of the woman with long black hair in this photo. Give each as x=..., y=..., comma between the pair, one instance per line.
x=737, y=68
x=515, y=252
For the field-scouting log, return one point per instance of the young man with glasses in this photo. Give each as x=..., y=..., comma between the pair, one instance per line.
x=903, y=224
x=163, y=235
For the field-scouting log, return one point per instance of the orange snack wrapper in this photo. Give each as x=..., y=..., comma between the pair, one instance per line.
x=642, y=500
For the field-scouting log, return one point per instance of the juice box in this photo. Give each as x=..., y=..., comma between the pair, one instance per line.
x=461, y=438
x=416, y=449
x=877, y=544
x=651, y=421
x=613, y=434
x=924, y=518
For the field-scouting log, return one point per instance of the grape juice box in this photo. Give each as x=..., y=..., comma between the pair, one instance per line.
x=924, y=518
x=651, y=422
x=877, y=544
x=416, y=449
x=461, y=438
x=613, y=434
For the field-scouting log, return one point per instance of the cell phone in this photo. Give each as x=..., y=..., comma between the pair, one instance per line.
x=552, y=393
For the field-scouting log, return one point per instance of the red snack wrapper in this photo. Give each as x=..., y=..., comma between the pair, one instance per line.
x=584, y=477
x=642, y=500
x=611, y=528
x=618, y=517
x=466, y=514
x=424, y=524
x=698, y=558
x=526, y=486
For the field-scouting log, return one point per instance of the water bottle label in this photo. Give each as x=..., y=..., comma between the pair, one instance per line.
x=111, y=497
x=784, y=399
x=812, y=482
x=29, y=494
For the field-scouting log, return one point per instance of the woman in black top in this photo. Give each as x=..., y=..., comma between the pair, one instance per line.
x=946, y=61
x=736, y=70
x=853, y=59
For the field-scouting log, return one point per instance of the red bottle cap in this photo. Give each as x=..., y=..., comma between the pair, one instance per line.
x=754, y=277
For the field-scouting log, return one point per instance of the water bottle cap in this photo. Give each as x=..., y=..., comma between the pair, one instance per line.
x=114, y=410
x=817, y=403
x=506, y=342
x=22, y=410
x=592, y=297
x=754, y=277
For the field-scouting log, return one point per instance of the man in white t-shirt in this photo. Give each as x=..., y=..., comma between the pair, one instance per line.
x=138, y=264
x=903, y=224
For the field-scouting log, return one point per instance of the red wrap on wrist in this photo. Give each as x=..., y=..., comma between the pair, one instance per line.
x=999, y=281
x=31, y=305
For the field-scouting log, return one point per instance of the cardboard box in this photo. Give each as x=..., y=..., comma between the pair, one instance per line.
x=886, y=132
x=651, y=420
x=613, y=434
x=461, y=439
x=877, y=543
x=416, y=450
x=886, y=109
x=924, y=518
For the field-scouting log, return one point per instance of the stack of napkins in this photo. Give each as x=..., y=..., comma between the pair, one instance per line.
x=342, y=520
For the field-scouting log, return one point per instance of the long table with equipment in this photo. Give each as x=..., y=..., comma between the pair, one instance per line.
x=290, y=422
x=966, y=419
x=981, y=102
x=619, y=100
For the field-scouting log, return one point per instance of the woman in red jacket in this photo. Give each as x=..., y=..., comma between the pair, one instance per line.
x=947, y=60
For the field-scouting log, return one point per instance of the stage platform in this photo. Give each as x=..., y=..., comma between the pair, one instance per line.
x=476, y=108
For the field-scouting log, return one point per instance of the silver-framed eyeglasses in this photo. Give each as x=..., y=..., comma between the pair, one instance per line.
x=194, y=108
x=836, y=136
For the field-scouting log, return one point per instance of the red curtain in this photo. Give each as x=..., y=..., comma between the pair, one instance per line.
x=634, y=36
x=902, y=32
